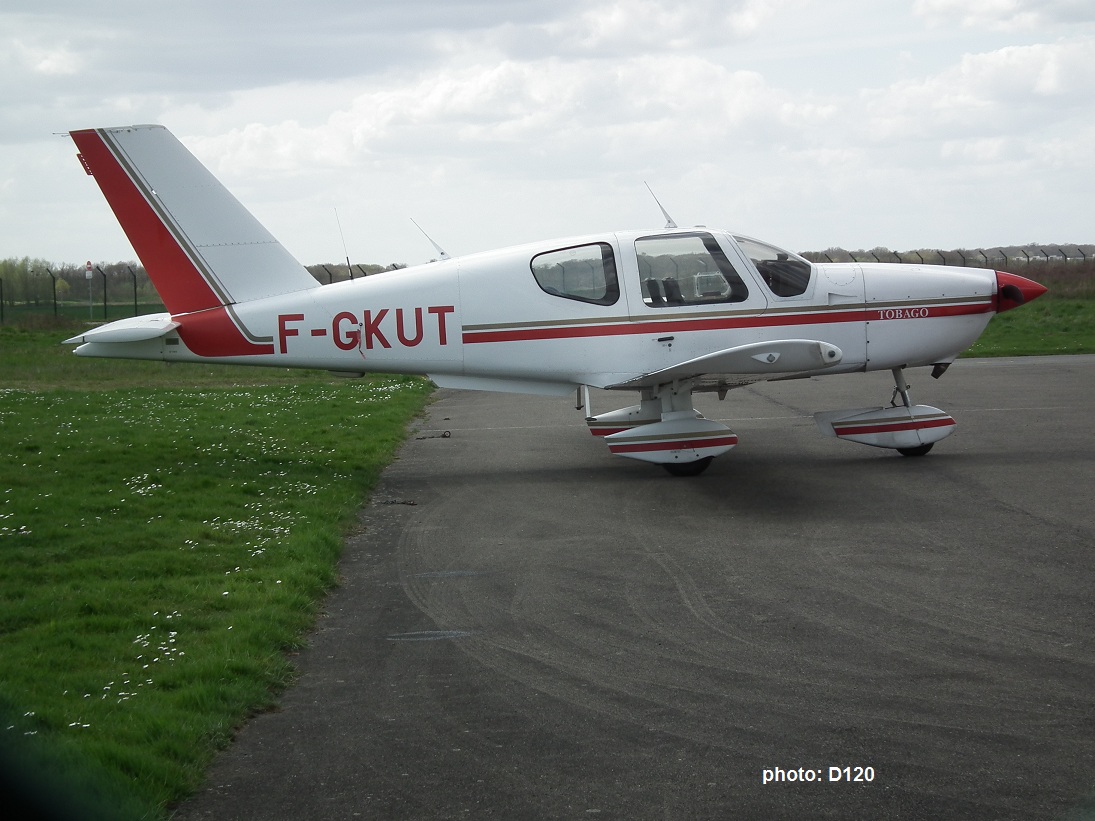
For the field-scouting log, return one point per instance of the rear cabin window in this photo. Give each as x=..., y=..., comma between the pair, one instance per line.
x=686, y=269
x=586, y=273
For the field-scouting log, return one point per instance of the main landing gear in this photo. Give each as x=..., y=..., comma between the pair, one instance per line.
x=665, y=429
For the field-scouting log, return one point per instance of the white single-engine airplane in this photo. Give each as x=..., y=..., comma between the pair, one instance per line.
x=664, y=313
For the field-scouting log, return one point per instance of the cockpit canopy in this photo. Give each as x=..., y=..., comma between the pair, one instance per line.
x=681, y=268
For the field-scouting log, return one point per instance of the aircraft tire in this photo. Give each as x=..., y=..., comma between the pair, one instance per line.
x=688, y=468
x=919, y=450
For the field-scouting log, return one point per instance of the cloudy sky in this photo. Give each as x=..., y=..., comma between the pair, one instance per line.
x=811, y=123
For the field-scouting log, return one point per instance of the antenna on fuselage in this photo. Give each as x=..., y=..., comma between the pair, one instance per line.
x=349, y=270
x=669, y=223
x=440, y=250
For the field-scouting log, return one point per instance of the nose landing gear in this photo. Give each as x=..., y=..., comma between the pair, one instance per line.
x=909, y=429
x=901, y=389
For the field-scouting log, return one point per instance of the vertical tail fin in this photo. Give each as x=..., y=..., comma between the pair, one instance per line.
x=202, y=249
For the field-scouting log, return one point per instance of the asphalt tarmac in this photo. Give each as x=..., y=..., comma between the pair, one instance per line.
x=528, y=627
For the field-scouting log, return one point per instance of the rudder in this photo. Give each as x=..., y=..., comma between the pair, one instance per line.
x=201, y=248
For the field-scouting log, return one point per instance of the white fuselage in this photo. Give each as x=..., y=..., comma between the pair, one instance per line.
x=664, y=312
x=486, y=321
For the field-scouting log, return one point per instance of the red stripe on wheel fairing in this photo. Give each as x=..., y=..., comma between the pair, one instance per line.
x=675, y=444
x=891, y=427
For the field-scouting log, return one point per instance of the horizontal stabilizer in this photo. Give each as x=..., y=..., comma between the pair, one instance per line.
x=758, y=359
x=133, y=329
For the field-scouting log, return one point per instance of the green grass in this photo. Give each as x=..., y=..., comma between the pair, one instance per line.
x=72, y=314
x=1047, y=326
x=162, y=548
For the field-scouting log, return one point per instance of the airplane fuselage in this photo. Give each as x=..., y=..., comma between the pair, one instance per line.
x=485, y=317
x=663, y=312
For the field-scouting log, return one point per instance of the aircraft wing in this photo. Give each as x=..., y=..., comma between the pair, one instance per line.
x=744, y=364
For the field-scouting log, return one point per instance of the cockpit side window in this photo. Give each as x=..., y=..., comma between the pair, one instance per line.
x=586, y=273
x=686, y=269
x=786, y=274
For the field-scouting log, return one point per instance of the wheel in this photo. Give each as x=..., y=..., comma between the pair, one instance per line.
x=688, y=468
x=919, y=450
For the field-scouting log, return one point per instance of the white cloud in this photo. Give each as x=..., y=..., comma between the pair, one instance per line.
x=637, y=26
x=500, y=120
x=534, y=117
x=1019, y=88
x=1005, y=15
x=53, y=60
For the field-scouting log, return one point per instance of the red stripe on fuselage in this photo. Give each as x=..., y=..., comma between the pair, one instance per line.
x=213, y=333
x=719, y=323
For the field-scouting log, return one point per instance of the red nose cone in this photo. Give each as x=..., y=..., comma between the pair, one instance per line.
x=1013, y=291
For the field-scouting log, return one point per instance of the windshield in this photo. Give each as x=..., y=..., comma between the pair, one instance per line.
x=785, y=273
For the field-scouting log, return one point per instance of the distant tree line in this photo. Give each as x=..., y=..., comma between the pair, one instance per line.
x=37, y=282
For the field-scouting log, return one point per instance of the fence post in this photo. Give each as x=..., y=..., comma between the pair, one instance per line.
x=101, y=271
x=54, y=280
x=133, y=274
